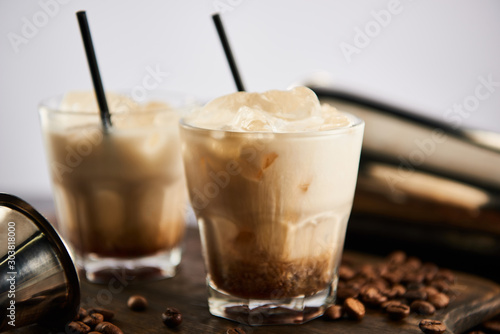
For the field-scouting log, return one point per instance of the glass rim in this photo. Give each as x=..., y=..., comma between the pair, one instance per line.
x=48, y=103
x=358, y=122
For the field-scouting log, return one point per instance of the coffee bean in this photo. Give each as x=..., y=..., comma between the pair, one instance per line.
x=93, y=319
x=395, y=292
x=171, y=317
x=365, y=288
x=78, y=327
x=372, y=296
x=137, y=303
x=354, y=308
x=368, y=272
x=393, y=277
x=236, y=330
x=446, y=275
x=413, y=263
x=429, y=277
x=388, y=303
x=429, y=270
x=107, y=314
x=476, y=332
x=412, y=295
x=396, y=257
x=429, y=326
x=344, y=293
x=430, y=290
x=439, y=300
x=422, y=307
x=382, y=268
x=414, y=278
x=380, y=284
x=491, y=326
x=82, y=313
x=441, y=285
x=93, y=332
x=346, y=273
x=398, y=312
x=108, y=328
x=413, y=285
x=334, y=312
x=356, y=283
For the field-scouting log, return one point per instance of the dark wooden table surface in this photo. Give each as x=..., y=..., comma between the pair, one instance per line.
x=477, y=299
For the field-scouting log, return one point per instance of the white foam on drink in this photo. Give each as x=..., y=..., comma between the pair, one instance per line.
x=295, y=110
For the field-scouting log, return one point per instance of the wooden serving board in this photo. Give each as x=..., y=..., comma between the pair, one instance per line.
x=476, y=300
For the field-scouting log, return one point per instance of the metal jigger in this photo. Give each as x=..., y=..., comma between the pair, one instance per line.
x=38, y=280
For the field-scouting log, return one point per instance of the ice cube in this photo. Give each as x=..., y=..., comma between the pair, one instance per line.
x=295, y=104
x=154, y=143
x=155, y=106
x=151, y=113
x=132, y=120
x=294, y=110
x=248, y=119
x=86, y=101
x=333, y=118
x=79, y=101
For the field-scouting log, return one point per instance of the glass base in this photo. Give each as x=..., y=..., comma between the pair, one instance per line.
x=258, y=312
x=158, y=266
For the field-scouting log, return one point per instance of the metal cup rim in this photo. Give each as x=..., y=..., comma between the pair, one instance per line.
x=56, y=242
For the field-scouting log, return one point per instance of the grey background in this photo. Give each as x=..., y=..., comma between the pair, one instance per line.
x=427, y=58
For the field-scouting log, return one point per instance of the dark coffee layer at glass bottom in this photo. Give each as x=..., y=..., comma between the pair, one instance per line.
x=261, y=278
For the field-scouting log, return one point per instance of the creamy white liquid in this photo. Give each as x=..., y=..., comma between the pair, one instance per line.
x=272, y=193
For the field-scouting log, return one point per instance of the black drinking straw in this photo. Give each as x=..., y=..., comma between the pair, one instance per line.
x=227, y=51
x=94, y=70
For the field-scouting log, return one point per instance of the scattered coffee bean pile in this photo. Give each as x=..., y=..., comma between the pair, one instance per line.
x=94, y=321
x=171, y=317
x=398, y=286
